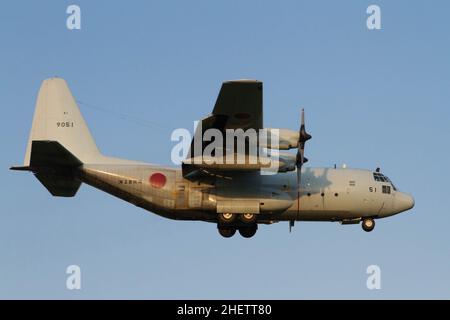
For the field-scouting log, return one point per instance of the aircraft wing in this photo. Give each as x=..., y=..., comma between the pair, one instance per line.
x=240, y=101
x=238, y=106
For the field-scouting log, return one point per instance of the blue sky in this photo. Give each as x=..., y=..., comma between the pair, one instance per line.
x=373, y=98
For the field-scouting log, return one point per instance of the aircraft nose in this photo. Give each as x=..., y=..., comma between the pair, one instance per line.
x=403, y=202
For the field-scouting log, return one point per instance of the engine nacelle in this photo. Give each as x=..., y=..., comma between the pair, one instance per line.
x=281, y=139
x=287, y=162
x=279, y=161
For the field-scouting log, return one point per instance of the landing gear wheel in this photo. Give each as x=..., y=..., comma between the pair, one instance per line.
x=226, y=217
x=227, y=232
x=248, y=217
x=248, y=232
x=368, y=224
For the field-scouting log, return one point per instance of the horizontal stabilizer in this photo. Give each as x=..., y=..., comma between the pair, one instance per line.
x=59, y=185
x=20, y=168
x=51, y=154
x=53, y=165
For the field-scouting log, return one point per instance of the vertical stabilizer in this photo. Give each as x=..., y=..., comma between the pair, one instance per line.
x=58, y=118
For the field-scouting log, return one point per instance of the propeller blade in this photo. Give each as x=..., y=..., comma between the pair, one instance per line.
x=303, y=136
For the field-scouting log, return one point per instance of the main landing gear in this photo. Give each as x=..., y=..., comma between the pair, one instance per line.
x=368, y=224
x=226, y=217
x=226, y=232
x=228, y=225
x=248, y=217
x=248, y=232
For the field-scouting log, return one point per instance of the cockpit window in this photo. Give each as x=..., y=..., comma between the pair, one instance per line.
x=382, y=178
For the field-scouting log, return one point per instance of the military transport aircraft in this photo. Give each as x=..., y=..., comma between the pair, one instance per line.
x=62, y=154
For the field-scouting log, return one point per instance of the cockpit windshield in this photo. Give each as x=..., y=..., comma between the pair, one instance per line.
x=382, y=178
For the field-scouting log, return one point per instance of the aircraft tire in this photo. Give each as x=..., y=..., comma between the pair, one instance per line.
x=248, y=232
x=227, y=232
x=248, y=217
x=226, y=217
x=368, y=224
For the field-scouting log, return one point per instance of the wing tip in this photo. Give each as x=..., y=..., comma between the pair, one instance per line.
x=243, y=81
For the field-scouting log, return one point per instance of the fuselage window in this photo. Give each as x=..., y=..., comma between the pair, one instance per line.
x=382, y=178
x=386, y=189
x=377, y=176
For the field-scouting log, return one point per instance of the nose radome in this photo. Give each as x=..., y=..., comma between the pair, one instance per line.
x=403, y=201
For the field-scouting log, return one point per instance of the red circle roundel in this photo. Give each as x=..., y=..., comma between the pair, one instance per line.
x=157, y=180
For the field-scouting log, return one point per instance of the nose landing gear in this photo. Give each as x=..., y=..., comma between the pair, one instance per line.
x=368, y=224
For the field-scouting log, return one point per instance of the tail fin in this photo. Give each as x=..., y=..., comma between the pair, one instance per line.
x=59, y=141
x=57, y=118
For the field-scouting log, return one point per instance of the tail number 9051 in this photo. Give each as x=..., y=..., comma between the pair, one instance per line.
x=66, y=124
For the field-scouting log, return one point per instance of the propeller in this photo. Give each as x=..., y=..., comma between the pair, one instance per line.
x=303, y=136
